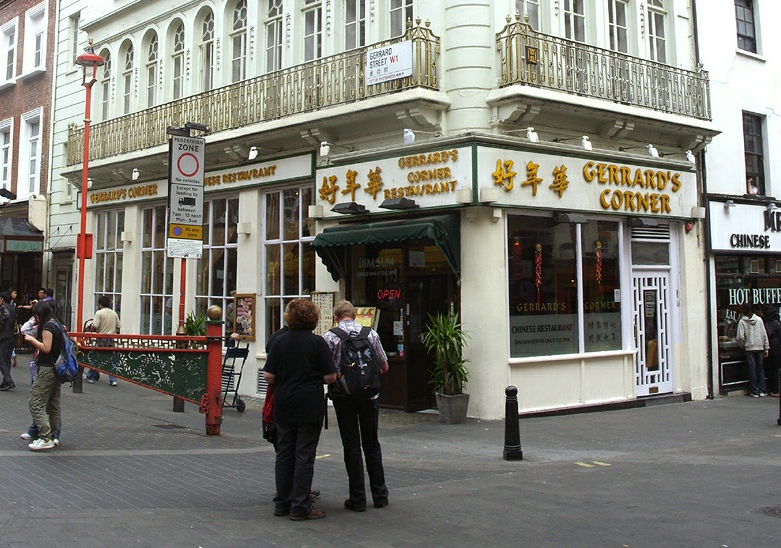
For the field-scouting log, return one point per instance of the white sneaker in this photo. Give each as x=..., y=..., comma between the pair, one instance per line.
x=113, y=383
x=90, y=381
x=56, y=442
x=26, y=436
x=41, y=445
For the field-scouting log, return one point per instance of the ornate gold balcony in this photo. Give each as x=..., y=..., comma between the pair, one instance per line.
x=533, y=59
x=326, y=82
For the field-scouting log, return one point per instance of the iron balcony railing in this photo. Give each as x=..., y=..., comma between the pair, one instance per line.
x=530, y=58
x=326, y=82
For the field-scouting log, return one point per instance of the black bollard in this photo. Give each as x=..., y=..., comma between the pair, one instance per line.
x=512, y=427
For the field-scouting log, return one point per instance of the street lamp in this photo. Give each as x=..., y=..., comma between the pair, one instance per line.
x=89, y=62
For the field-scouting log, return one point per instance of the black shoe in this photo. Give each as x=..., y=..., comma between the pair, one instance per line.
x=354, y=506
x=382, y=503
x=281, y=512
x=7, y=387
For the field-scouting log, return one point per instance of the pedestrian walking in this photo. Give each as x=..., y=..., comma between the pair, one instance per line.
x=105, y=322
x=45, y=394
x=752, y=338
x=358, y=420
x=7, y=328
x=298, y=364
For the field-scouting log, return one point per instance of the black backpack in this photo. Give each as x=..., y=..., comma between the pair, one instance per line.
x=359, y=369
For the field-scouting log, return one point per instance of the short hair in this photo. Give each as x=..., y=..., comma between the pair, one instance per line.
x=747, y=309
x=301, y=314
x=344, y=309
x=6, y=296
x=43, y=311
x=104, y=301
x=49, y=292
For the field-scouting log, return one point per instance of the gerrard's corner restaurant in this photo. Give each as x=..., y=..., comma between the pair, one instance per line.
x=745, y=269
x=578, y=274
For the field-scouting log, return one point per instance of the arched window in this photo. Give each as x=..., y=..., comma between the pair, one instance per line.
x=313, y=29
x=274, y=36
x=239, y=42
x=105, y=85
x=177, y=62
x=151, y=72
x=207, y=52
x=127, y=80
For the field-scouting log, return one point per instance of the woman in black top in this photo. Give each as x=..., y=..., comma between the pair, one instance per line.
x=298, y=365
x=45, y=393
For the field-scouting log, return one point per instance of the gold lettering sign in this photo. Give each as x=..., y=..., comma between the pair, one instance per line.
x=632, y=200
x=119, y=194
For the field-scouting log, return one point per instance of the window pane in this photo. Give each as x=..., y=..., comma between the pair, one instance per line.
x=99, y=272
x=290, y=263
x=272, y=216
x=601, y=282
x=146, y=268
x=291, y=213
x=542, y=287
x=650, y=253
x=273, y=269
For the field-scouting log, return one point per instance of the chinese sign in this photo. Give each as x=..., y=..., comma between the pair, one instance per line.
x=550, y=181
x=429, y=178
x=388, y=63
x=745, y=228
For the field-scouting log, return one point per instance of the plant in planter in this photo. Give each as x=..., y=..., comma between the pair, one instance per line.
x=445, y=338
x=194, y=326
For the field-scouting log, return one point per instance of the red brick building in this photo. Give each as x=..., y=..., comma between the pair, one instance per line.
x=27, y=41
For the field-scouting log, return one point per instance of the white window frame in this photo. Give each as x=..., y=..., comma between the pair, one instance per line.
x=533, y=8
x=239, y=43
x=274, y=36
x=109, y=249
x=207, y=52
x=357, y=24
x=29, y=176
x=9, y=36
x=74, y=29
x=105, y=85
x=177, y=63
x=152, y=63
x=6, y=152
x=158, y=270
x=570, y=19
x=400, y=11
x=35, y=39
x=615, y=30
x=127, y=78
x=312, y=15
x=653, y=33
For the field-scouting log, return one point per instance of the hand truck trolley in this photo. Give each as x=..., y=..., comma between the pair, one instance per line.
x=230, y=379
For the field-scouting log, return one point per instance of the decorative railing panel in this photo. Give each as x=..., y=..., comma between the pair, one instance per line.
x=326, y=82
x=531, y=58
x=174, y=365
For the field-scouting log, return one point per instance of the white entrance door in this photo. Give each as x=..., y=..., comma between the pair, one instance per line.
x=651, y=316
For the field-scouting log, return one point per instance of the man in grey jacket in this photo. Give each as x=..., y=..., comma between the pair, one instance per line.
x=752, y=338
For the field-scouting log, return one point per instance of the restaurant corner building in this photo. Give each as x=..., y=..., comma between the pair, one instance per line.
x=573, y=271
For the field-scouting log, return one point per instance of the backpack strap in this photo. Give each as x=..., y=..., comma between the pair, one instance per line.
x=365, y=331
x=339, y=332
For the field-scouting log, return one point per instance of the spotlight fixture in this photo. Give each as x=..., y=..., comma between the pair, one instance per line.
x=399, y=204
x=772, y=206
x=135, y=174
x=532, y=135
x=349, y=208
x=690, y=157
x=584, y=142
x=325, y=148
x=7, y=194
x=254, y=152
x=409, y=135
x=649, y=147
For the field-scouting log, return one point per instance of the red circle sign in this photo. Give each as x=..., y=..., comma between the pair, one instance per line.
x=188, y=164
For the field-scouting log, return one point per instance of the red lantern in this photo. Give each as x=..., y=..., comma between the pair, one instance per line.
x=598, y=246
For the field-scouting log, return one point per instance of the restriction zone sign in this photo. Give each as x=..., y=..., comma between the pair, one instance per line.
x=185, y=197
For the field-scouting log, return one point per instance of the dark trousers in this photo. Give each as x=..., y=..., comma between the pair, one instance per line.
x=296, y=448
x=772, y=364
x=358, y=424
x=6, y=353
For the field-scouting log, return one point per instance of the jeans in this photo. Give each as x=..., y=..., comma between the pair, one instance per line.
x=358, y=424
x=93, y=376
x=295, y=465
x=33, y=431
x=756, y=372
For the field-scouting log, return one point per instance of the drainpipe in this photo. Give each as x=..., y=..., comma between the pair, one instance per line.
x=703, y=188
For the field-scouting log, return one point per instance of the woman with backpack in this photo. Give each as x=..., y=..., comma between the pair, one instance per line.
x=45, y=393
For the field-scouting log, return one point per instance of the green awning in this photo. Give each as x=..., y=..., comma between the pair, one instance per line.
x=18, y=236
x=331, y=244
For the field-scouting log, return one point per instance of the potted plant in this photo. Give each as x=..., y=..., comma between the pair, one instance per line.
x=445, y=338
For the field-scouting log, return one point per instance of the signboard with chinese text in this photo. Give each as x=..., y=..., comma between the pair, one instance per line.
x=744, y=228
x=388, y=63
x=430, y=178
x=546, y=180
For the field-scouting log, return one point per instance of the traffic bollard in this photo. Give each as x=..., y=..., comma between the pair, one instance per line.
x=512, y=427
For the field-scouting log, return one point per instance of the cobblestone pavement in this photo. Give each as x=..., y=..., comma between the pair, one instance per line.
x=131, y=472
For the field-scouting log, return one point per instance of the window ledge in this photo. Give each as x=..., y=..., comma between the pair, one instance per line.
x=571, y=357
x=756, y=56
x=8, y=84
x=33, y=72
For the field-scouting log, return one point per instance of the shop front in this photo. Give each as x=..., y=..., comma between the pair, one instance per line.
x=745, y=257
x=567, y=268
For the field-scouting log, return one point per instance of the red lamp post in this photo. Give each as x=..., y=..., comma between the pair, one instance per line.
x=89, y=61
